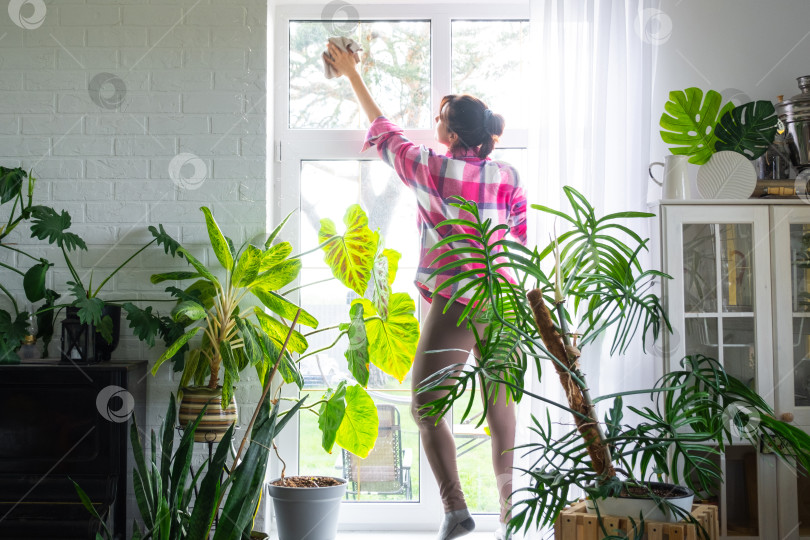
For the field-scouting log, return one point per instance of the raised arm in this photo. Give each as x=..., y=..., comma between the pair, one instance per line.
x=345, y=65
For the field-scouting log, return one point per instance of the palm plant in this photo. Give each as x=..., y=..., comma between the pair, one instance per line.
x=594, y=287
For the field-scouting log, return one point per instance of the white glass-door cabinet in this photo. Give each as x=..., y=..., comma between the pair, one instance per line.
x=740, y=293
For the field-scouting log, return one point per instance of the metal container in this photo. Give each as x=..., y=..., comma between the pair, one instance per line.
x=795, y=115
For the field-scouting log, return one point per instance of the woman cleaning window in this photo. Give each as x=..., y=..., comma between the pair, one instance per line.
x=469, y=130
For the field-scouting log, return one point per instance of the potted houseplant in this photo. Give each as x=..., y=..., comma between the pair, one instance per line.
x=595, y=287
x=230, y=330
x=92, y=316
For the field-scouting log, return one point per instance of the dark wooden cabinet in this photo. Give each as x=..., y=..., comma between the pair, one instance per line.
x=62, y=421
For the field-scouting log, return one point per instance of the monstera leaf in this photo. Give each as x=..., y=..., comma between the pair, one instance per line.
x=46, y=224
x=748, y=129
x=392, y=341
x=690, y=124
x=358, y=430
x=350, y=256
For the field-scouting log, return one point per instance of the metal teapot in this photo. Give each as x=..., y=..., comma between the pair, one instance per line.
x=794, y=113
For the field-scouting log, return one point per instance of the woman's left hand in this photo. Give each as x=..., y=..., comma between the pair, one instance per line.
x=343, y=61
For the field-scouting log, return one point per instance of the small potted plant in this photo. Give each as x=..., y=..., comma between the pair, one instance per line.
x=88, y=314
x=586, y=284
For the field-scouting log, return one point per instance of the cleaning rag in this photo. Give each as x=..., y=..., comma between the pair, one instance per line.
x=344, y=44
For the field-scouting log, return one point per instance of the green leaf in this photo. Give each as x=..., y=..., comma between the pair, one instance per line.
x=385, y=270
x=351, y=256
x=173, y=276
x=357, y=353
x=170, y=245
x=689, y=123
x=277, y=277
x=284, y=308
x=358, y=430
x=275, y=255
x=253, y=350
x=34, y=282
x=174, y=347
x=188, y=310
x=205, y=503
x=748, y=129
x=247, y=268
x=277, y=331
x=11, y=181
x=89, y=308
x=331, y=414
x=105, y=328
x=218, y=242
x=200, y=267
x=277, y=230
x=46, y=224
x=392, y=342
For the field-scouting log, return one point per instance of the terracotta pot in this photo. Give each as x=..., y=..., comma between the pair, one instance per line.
x=216, y=420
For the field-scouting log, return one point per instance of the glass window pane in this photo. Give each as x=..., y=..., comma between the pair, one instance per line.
x=800, y=253
x=700, y=268
x=736, y=264
x=801, y=361
x=490, y=61
x=701, y=337
x=395, y=64
x=739, y=349
x=389, y=473
x=741, y=491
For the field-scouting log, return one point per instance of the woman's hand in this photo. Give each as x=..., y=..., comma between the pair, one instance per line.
x=343, y=61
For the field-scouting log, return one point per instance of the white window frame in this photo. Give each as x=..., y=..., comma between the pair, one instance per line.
x=292, y=146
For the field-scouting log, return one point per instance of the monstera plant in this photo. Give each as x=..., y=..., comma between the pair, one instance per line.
x=243, y=320
x=698, y=126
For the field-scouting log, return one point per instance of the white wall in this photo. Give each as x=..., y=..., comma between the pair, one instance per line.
x=754, y=49
x=194, y=74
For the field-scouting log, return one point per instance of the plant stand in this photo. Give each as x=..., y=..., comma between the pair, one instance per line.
x=575, y=523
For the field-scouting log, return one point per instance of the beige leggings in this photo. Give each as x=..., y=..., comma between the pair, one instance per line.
x=440, y=331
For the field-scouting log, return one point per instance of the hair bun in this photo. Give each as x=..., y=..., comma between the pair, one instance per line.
x=487, y=118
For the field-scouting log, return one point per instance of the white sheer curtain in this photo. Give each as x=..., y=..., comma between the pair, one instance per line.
x=593, y=62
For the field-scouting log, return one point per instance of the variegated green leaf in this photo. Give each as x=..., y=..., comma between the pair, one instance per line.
x=189, y=310
x=284, y=308
x=392, y=342
x=247, y=268
x=351, y=256
x=385, y=270
x=331, y=414
x=277, y=331
x=358, y=430
x=220, y=246
x=278, y=276
x=357, y=353
x=275, y=255
x=198, y=266
x=174, y=347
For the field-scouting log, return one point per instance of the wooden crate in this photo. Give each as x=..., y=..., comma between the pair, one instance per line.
x=575, y=523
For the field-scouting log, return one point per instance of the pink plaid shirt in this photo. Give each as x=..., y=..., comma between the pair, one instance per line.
x=493, y=185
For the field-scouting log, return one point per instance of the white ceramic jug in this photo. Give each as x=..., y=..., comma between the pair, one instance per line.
x=676, y=177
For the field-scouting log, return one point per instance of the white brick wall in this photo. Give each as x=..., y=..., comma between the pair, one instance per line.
x=192, y=72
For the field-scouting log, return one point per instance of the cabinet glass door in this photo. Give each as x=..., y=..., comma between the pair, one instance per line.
x=719, y=302
x=792, y=362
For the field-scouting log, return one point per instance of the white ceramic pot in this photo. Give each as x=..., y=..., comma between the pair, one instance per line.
x=681, y=497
